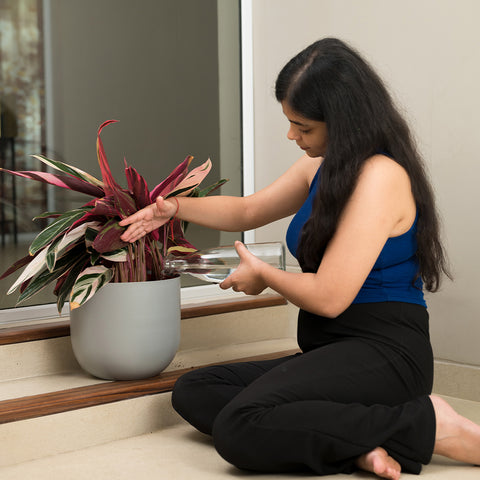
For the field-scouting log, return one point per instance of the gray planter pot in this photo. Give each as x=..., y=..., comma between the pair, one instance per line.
x=128, y=331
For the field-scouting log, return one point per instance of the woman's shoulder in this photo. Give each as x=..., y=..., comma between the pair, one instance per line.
x=383, y=167
x=384, y=180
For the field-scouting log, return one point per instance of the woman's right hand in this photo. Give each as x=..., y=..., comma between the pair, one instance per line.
x=148, y=219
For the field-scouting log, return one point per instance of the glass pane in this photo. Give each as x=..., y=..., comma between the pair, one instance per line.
x=160, y=67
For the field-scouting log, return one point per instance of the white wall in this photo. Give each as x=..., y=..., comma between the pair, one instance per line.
x=427, y=51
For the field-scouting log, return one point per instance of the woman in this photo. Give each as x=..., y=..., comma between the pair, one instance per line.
x=366, y=235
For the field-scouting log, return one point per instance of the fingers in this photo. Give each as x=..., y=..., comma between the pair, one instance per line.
x=129, y=220
x=149, y=218
x=240, y=248
x=226, y=284
x=133, y=233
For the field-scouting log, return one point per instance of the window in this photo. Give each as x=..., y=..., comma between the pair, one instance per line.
x=168, y=71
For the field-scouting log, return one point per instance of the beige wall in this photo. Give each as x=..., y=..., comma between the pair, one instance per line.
x=428, y=52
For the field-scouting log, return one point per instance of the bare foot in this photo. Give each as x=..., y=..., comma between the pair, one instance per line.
x=457, y=437
x=379, y=462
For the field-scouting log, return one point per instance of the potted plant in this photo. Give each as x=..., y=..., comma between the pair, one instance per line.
x=81, y=252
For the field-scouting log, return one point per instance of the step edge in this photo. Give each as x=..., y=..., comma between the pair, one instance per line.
x=33, y=406
x=29, y=333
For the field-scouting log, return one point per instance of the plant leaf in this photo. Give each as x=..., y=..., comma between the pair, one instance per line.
x=107, y=177
x=88, y=283
x=17, y=265
x=207, y=190
x=179, y=173
x=138, y=186
x=106, y=207
x=65, y=284
x=64, y=265
x=47, y=215
x=176, y=236
x=51, y=257
x=90, y=235
x=108, y=238
x=61, y=244
x=62, y=224
x=71, y=170
x=33, y=268
x=193, y=179
x=64, y=181
x=124, y=201
x=116, y=256
x=179, y=250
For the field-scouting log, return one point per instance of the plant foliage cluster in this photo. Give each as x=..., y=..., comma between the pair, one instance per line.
x=81, y=249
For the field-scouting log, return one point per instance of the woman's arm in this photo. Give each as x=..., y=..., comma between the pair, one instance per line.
x=381, y=206
x=280, y=199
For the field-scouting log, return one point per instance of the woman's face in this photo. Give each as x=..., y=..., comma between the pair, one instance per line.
x=310, y=135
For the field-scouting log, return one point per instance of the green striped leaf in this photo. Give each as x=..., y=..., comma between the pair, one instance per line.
x=207, y=190
x=74, y=171
x=88, y=283
x=65, y=290
x=47, y=215
x=51, y=257
x=59, y=226
x=37, y=265
x=61, y=244
x=45, y=277
x=116, y=256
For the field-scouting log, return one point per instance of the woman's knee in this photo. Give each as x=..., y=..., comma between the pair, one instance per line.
x=189, y=390
x=199, y=395
x=181, y=392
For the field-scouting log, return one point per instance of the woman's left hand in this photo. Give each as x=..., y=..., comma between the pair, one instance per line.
x=247, y=277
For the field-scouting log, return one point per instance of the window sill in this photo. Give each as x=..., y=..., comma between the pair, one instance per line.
x=193, y=306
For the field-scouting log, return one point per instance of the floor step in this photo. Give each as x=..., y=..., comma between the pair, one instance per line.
x=49, y=406
x=45, y=350
x=59, y=421
x=32, y=406
x=179, y=452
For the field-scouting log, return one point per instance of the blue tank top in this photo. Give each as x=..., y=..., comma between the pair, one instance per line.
x=390, y=279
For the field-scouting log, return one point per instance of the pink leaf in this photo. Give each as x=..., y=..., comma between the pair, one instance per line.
x=165, y=187
x=107, y=177
x=64, y=181
x=123, y=199
x=193, y=179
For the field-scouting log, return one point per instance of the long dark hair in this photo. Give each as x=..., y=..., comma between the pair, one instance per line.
x=330, y=82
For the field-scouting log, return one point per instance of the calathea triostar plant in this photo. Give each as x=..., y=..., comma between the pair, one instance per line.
x=81, y=249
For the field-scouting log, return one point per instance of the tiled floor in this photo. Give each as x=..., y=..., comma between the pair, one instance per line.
x=181, y=453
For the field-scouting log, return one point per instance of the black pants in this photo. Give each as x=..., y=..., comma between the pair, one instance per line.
x=362, y=381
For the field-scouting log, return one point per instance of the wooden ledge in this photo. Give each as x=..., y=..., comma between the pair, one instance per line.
x=82, y=397
x=30, y=333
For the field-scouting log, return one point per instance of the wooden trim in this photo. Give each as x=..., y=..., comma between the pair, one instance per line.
x=228, y=306
x=30, y=333
x=82, y=397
